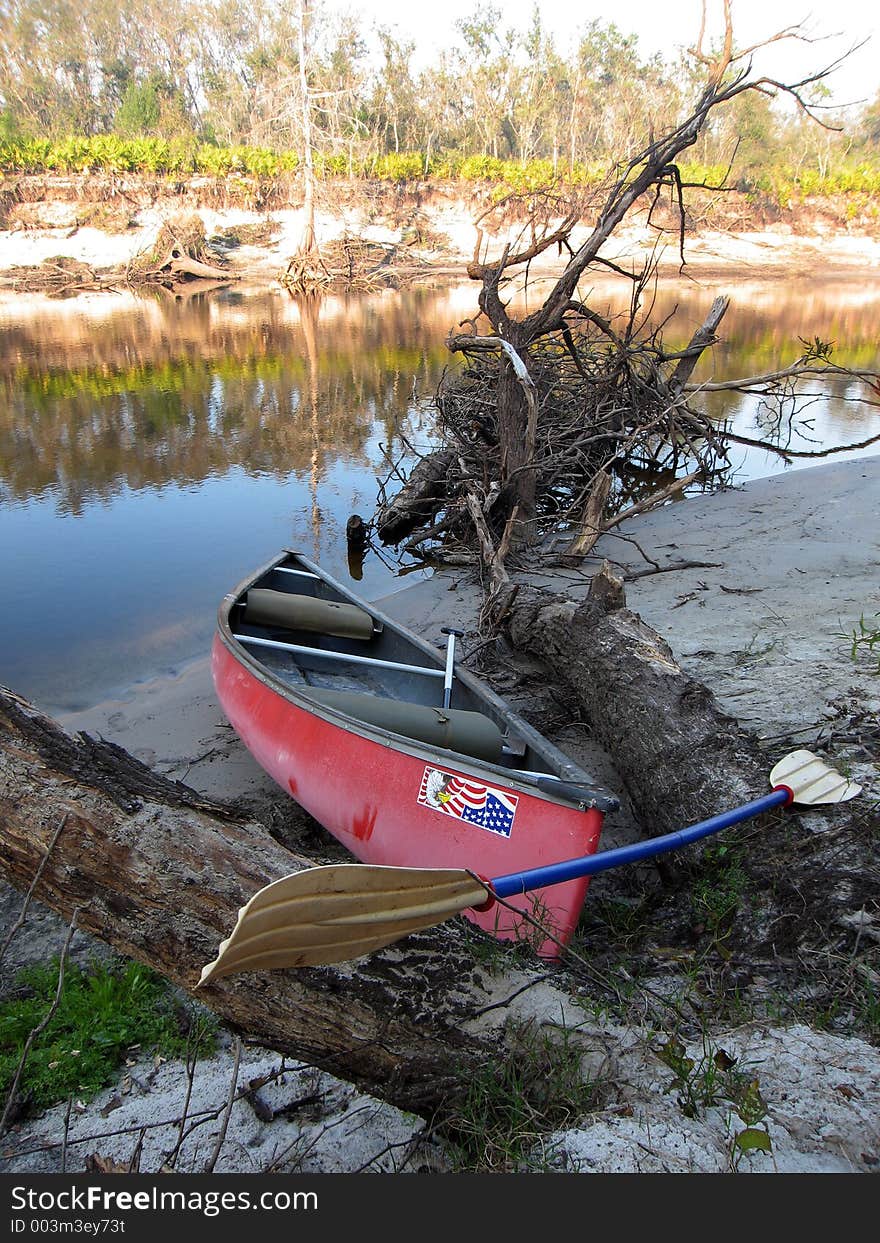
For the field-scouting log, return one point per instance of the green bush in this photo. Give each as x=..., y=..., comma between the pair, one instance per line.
x=140, y=109
x=400, y=167
x=184, y=155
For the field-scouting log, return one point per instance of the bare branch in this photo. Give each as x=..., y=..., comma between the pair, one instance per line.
x=703, y=337
x=40, y=1027
x=795, y=371
x=230, y=1101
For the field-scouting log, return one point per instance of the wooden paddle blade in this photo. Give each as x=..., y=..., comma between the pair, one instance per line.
x=336, y=913
x=811, y=780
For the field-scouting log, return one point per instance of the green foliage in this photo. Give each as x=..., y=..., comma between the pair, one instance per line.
x=718, y=890
x=140, y=109
x=531, y=1089
x=133, y=149
x=103, y=1013
x=865, y=638
x=699, y=1083
x=715, y=1078
x=788, y=187
x=753, y=1139
x=9, y=127
x=497, y=89
x=399, y=167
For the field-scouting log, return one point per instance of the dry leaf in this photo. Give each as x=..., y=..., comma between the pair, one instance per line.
x=96, y=1164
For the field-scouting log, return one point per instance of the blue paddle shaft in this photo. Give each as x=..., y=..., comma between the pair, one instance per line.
x=589, y=865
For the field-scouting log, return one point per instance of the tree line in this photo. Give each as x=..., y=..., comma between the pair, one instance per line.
x=232, y=74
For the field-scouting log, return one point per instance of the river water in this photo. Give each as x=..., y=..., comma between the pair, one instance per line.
x=154, y=450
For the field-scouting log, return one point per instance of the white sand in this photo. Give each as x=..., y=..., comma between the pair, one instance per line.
x=775, y=251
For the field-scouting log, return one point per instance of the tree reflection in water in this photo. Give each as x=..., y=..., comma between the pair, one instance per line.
x=152, y=450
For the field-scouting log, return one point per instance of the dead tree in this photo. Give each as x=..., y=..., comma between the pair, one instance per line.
x=646, y=173
x=553, y=407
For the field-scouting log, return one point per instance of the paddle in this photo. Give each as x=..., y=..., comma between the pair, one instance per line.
x=452, y=634
x=336, y=913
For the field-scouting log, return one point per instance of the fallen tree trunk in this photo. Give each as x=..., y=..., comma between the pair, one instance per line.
x=159, y=874
x=182, y=264
x=419, y=498
x=680, y=756
x=176, y=262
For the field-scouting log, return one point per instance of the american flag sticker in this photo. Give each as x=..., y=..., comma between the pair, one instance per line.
x=468, y=800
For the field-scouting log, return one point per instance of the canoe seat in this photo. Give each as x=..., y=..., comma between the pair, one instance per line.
x=293, y=612
x=455, y=729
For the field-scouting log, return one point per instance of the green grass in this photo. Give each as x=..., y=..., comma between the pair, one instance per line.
x=718, y=891
x=105, y=1014
x=510, y=1104
x=864, y=638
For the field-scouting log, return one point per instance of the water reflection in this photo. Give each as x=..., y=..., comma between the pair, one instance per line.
x=161, y=394
x=153, y=451
x=135, y=393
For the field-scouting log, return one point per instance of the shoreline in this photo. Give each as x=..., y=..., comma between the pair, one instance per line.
x=442, y=246
x=764, y=627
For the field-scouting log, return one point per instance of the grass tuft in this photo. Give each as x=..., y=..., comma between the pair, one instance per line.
x=532, y=1089
x=864, y=638
x=104, y=1014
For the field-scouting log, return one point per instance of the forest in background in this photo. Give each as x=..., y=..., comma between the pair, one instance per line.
x=218, y=87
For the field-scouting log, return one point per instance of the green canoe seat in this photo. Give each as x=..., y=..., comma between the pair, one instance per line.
x=279, y=608
x=454, y=729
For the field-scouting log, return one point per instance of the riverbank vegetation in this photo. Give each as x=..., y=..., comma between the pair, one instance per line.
x=101, y=1016
x=218, y=92
x=783, y=186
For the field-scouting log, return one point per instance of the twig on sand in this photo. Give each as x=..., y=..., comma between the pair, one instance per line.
x=41, y=1026
x=230, y=1101
x=672, y=568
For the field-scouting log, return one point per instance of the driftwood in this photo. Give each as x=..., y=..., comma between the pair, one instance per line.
x=176, y=262
x=60, y=276
x=680, y=756
x=158, y=872
x=421, y=496
x=181, y=264
x=180, y=251
x=591, y=523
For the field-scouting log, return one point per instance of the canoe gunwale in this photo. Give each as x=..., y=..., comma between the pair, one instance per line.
x=559, y=764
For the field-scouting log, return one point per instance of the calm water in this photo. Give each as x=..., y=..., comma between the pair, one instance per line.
x=153, y=451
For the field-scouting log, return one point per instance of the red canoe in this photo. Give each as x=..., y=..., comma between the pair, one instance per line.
x=343, y=707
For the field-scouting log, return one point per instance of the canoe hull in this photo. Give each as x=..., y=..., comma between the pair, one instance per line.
x=405, y=807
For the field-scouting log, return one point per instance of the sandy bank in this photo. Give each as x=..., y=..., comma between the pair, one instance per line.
x=773, y=251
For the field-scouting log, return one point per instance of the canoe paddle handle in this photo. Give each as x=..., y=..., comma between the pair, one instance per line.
x=452, y=634
x=589, y=865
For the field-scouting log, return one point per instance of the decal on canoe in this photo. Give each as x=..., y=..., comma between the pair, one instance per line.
x=468, y=800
